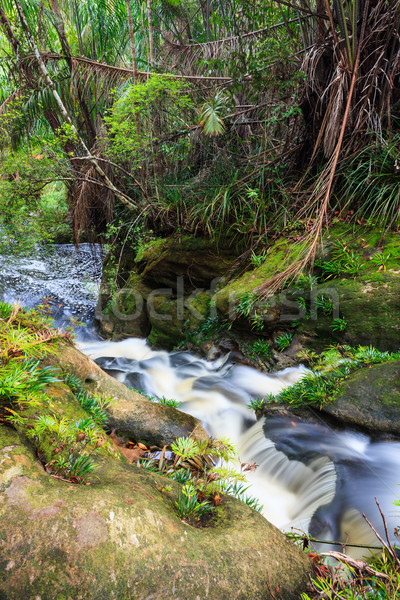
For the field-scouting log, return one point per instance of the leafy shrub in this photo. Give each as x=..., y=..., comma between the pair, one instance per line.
x=256, y=404
x=64, y=446
x=339, y=324
x=188, y=506
x=259, y=348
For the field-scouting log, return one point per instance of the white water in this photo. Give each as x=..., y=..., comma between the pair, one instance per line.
x=309, y=476
x=218, y=393
x=69, y=278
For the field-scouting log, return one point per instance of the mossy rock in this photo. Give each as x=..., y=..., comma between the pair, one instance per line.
x=124, y=313
x=120, y=538
x=368, y=301
x=183, y=263
x=130, y=414
x=229, y=298
x=370, y=399
x=173, y=318
x=371, y=310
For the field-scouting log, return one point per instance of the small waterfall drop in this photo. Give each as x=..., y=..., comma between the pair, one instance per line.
x=218, y=394
x=309, y=476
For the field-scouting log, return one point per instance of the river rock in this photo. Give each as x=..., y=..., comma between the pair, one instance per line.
x=120, y=538
x=371, y=308
x=130, y=414
x=370, y=399
x=185, y=261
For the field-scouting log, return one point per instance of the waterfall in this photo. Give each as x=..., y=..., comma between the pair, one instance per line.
x=309, y=476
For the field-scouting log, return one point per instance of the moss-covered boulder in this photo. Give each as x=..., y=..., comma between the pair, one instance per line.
x=120, y=538
x=130, y=414
x=184, y=261
x=123, y=313
x=163, y=291
x=370, y=399
x=370, y=307
x=358, y=269
x=233, y=299
x=172, y=319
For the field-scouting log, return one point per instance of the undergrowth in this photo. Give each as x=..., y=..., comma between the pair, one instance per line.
x=204, y=468
x=320, y=384
x=65, y=446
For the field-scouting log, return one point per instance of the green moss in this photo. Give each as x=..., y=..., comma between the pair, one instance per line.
x=370, y=308
x=370, y=399
x=125, y=523
x=281, y=254
x=151, y=249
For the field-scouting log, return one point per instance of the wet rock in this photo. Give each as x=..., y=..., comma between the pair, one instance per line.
x=131, y=415
x=370, y=399
x=182, y=261
x=120, y=538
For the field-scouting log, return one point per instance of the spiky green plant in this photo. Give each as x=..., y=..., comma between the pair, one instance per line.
x=211, y=114
x=81, y=467
x=339, y=324
x=260, y=348
x=188, y=506
x=169, y=402
x=283, y=341
x=256, y=404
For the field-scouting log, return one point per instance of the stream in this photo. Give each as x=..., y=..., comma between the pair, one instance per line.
x=310, y=477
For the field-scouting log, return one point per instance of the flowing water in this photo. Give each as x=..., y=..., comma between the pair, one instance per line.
x=309, y=476
x=67, y=277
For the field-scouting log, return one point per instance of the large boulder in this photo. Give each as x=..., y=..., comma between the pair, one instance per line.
x=120, y=538
x=370, y=399
x=184, y=261
x=130, y=414
x=163, y=290
x=371, y=308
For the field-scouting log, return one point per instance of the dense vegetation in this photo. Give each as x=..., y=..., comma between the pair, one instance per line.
x=236, y=120
x=233, y=119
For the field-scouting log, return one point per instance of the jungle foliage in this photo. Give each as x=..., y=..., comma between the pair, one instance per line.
x=231, y=118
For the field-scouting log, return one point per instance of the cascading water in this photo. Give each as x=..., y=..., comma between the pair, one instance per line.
x=309, y=476
x=218, y=394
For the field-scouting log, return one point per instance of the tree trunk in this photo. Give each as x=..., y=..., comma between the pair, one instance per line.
x=151, y=33
x=118, y=194
x=132, y=38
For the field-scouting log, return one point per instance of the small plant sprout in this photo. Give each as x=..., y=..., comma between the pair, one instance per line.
x=306, y=282
x=256, y=404
x=169, y=402
x=188, y=506
x=339, y=324
x=283, y=341
x=259, y=347
x=325, y=304
x=381, y=260
x=258, y=259
x=245, y=304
